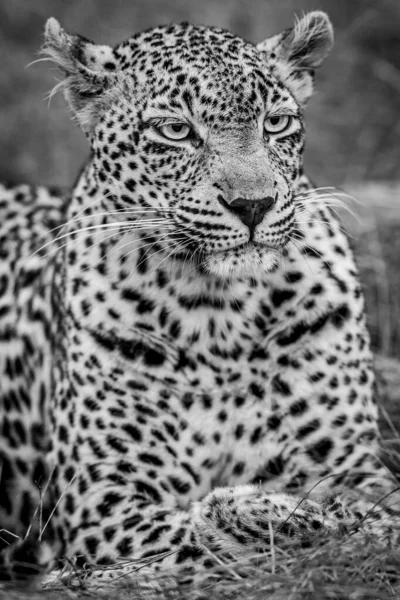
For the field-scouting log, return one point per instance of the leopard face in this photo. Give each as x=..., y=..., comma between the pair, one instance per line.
x=200, y=127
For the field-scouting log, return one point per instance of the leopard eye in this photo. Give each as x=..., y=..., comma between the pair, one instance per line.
x=277, y=124
x=175, y=131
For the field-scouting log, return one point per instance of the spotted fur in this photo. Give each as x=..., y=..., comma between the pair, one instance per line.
x=183, y=340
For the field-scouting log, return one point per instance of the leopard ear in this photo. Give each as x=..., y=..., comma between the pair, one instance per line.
x=89, y=70
x=295, y=53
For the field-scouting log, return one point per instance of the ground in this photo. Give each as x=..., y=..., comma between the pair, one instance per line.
x=330, y=568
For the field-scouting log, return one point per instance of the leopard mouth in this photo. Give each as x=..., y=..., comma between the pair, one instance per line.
x=240, y=250
x=246, y=249
x=248, y=246
x=248, y=259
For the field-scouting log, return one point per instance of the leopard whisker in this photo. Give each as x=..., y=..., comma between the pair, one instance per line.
x=319, y=220
x=187, y=254
x=338, y=203
x=153, y=254
x=331, y=204
x=186, y=257
x=80, y=212
x=99, y=200
x=70, y=234
x=116, y=248
x=118, y=226
x=108, y=213
x=316, y=218
x=140, y=247
x=294, y=233
x=199, y=250
x=292, y=242
x=60, y=247
x=329, y=191
x=173, y=251
x=38, y=60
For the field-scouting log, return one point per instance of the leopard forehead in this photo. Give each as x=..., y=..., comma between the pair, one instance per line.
x=186, y=45
x=167, y=60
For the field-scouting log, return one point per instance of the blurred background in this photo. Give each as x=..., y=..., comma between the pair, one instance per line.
x=353, y=118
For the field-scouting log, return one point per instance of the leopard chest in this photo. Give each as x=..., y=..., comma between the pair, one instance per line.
x=131, y=398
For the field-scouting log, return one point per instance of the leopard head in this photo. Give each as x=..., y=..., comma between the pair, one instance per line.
x=200, y=128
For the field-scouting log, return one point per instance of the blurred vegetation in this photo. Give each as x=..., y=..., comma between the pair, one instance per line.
x=353, y=120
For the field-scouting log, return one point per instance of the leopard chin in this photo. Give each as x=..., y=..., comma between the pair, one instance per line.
x=248, y=260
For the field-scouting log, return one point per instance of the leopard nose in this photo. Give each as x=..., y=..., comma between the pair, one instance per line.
x=251, y=212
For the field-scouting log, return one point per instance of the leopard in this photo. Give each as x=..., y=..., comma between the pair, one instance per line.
x=185, y=361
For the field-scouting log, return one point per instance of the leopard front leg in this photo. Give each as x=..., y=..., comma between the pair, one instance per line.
x=242, y=520
x=237, y=522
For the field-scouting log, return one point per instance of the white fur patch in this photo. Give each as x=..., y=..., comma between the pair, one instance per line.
x=252, y=261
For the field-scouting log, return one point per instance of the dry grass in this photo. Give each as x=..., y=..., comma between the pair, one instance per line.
x=345, y=567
